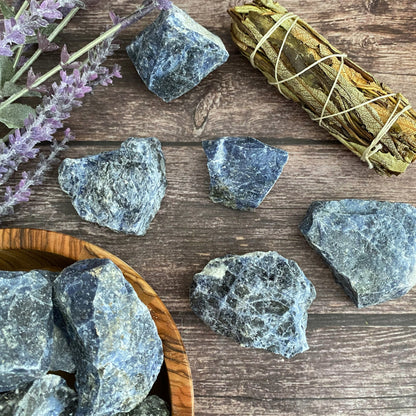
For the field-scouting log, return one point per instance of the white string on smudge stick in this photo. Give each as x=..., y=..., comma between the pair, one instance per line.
x=375, y=145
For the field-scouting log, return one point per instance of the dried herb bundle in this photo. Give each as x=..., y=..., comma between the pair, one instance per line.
x=382, y=132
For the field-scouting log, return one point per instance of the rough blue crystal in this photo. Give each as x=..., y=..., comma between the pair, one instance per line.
x=47, y=396
x=26, y=327
x=242, y=170
x=115, y=344
x=150, y=406
x=10, y=399
x=370, y=246
x=175, y=53
x=259, y=299
x=61, y=358
x=121, y=189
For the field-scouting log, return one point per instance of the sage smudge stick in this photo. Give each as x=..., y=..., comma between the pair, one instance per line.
x=376, y=124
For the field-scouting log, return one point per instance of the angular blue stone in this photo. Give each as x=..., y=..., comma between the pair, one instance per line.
x=26, y=319
x=115, y=344
x=9, y=400
x=150, y=406
x=175, y=53
x=61, y=358
x=121, y=189
x=369, y=245
x=259, y=299
x=242, y=170
x=47, y=396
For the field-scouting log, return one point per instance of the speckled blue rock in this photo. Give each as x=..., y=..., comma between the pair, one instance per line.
x=115, y=344
x=61, y=358
x=242, y=170
x=259, y=299
x=174, y=53
x=121, y=189
x=150, y=406
x=10, y=400
x=370, y=246
x=26, y=327
x=47, y=396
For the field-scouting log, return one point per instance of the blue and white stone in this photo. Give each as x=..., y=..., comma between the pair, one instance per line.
x=115, y=344
x=259, y=299
x=242, y=170
x=369, y=245
x=26, y=327
x=174, y=53
x=150, y=406
x=120, y=189
x=47, y=396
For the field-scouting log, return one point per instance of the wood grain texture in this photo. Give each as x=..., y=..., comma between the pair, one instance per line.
x=360, y=362
x=27, y=249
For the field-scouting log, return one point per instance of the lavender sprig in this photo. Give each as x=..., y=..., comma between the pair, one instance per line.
x=56, y=108
x=22, y=191
x=39, y=15
x=57, y=105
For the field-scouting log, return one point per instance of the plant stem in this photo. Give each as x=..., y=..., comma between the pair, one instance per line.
x=51, y=37
x=146, y=8
x=17, y=57
x=23, y=7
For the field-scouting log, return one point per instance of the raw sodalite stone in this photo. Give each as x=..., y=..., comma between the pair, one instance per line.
x=47, y=396
x=369, y=245
x=61, y=355
x=121, y=189
x=61, y=359
x=259, y=299
x=115, y=344
x=150, y=406
x=26, y=327
x=242, y=170
x=10, y=399
x=174, y=53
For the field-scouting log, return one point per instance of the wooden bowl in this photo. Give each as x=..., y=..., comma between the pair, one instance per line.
x=27, y=249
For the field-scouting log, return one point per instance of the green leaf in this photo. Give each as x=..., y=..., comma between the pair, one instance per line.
x=6, y=10
x=10, y=88
x=14, y=115
x=6, y=69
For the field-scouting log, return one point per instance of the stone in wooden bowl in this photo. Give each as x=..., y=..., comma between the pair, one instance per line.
x=27, y=249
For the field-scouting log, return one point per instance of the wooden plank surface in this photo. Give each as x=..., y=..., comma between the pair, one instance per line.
x=360, y=362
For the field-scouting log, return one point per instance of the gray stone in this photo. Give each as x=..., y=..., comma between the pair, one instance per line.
x=26, y=327
x=174, y=53
x=370, y=246
x=121, y=189
x=115, y=344
x=61, y=358
x=150, y=406
x=47, y=396
x=259, y=299
x=242, y=170
x=10, y=399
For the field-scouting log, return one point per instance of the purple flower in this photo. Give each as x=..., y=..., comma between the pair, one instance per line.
x=40, y=14
x=56, y=107
x=22, y=191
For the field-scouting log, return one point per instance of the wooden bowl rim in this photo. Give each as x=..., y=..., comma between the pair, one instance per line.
x=176, y=361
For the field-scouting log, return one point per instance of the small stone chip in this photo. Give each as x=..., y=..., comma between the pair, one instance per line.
x=242, y=170
x=121, y=189
x=369, y=245
x=174, y=53
x=259, y=299
x=115, y=344
x=150, y=406
x=26, y=327
x=47, y=396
